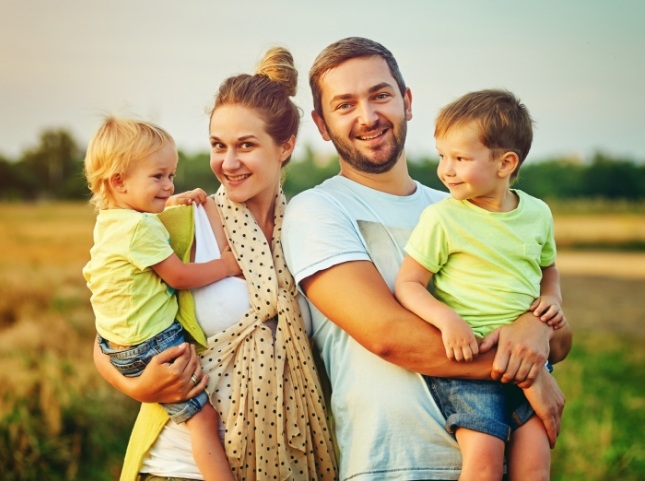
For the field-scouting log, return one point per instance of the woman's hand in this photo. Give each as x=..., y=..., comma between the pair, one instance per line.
x=167, y=379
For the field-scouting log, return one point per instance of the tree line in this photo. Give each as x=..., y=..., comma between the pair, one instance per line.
x=53, y=169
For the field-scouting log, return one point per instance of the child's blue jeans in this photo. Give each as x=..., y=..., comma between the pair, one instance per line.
x=131, y=362
x=489, y=407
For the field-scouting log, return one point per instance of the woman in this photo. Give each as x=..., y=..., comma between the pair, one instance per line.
x=262, y=379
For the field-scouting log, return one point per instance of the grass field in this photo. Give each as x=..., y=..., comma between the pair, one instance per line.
x=60, y=421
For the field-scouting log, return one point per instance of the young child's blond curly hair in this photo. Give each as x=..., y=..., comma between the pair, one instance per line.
x=115, y=145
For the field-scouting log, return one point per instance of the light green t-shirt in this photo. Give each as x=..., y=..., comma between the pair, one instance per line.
x=131, y=303
x=486, y=265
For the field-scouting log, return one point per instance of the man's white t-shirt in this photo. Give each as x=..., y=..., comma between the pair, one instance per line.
x=387, y=424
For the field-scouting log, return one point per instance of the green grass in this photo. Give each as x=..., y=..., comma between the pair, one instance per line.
x=602, y=429
x=88, y=441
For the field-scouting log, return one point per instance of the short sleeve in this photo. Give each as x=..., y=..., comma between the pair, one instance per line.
x=150, y=243
x=428, y=243
x=549, y=249
x=318, y=234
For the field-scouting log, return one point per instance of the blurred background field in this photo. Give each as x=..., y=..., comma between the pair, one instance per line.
x=60, y=421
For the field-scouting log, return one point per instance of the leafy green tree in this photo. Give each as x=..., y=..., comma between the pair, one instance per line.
x=552, y=179
x=424, y=170
x=9, y=188
x=194, y=170
x=55, y=166
x=613, y=179
x=54, y=169
x=307, y=171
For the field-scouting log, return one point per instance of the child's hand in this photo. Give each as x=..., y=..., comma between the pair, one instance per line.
x=549, y=311
x=197, y=196
x=228, y=258
x=460, y=342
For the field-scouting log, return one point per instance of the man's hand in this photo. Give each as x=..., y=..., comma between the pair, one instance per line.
x=547, y=400
x=522, y=350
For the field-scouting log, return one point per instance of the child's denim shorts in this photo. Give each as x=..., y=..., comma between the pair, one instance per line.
x=131, y=362
x=489, y=407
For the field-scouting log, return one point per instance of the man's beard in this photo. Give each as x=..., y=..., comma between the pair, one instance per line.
x=363, y=163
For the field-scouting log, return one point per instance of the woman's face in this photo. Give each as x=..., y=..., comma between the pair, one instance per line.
x=244, y=158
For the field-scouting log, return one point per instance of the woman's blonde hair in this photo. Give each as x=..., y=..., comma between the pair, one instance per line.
x=115, y=145
x=268, y=93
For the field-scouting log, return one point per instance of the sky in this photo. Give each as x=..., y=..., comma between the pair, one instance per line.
x=578, y=65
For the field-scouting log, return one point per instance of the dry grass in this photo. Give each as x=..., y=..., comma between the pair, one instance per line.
x=58, y=418
x=45, y=318
x=603, y=291
x=617, y=265
x=606, y=228
x=46, y=322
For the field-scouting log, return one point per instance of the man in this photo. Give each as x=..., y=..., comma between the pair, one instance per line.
x=344, y=244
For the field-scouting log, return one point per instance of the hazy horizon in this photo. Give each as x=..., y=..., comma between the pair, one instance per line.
x=578, y=65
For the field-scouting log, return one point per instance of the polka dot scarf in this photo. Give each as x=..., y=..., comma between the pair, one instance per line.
x=276, y=426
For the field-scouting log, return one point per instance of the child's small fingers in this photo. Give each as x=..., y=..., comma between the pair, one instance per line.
x=550, y=315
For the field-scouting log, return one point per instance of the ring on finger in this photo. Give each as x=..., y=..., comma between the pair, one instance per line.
x=194, y=379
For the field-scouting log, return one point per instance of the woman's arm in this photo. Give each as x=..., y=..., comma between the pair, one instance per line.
x=167, y=379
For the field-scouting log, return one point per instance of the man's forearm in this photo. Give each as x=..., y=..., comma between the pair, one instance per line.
x=370, y=314
x=422, y=350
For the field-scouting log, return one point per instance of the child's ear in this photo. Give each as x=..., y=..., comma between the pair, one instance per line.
x=117, y=183
x=508, y=164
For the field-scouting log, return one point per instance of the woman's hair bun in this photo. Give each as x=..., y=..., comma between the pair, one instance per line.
x=278, y=65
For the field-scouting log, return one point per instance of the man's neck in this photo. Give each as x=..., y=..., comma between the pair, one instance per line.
x=397, y=181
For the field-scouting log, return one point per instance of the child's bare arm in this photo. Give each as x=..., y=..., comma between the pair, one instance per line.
x=459, y=340
x=179, y=275
x=198, y=196
x=411, y=291
x=548, y=307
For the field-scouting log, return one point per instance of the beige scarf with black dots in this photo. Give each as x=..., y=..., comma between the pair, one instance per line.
x=276, y=426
